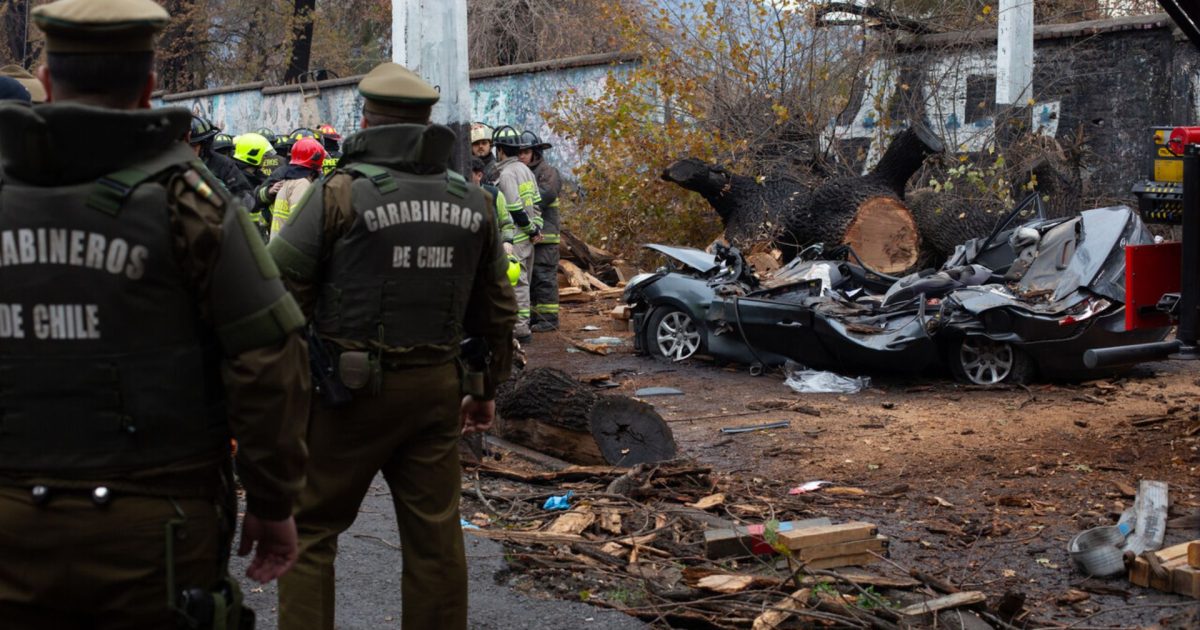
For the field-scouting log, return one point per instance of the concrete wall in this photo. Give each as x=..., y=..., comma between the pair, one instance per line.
x=1109, y=80
x=516, y=95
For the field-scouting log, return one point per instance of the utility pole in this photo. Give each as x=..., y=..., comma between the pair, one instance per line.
x=429, y=37
x=1014, y=53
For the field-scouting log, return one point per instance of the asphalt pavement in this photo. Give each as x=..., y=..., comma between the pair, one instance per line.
x=368, y=584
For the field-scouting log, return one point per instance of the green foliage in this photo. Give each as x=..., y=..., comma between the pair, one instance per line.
x=740, y=82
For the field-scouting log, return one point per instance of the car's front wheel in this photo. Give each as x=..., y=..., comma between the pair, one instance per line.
x=982, y=361
x=672, y=334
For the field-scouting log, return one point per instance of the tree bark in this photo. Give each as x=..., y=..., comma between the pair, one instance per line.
x=549, y=411
x=16, y=31
x=302, y=34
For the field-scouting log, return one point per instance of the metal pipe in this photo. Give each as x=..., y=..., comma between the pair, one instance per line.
x=1129, y=355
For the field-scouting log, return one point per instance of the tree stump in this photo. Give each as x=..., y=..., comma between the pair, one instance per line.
x=549, y=411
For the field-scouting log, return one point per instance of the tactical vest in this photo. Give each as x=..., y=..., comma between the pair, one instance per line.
x=402, y=275
x=104, y=365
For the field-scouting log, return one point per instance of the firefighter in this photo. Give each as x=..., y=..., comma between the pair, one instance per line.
x=517, y=195
x=544, y=287
x=331, y=140
x=202, y=136
x=304, y=167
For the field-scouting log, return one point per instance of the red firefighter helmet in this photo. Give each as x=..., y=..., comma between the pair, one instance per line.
x=308, y=153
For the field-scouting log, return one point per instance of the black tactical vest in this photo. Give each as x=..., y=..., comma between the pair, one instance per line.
x=402, y=275
x=104, y=365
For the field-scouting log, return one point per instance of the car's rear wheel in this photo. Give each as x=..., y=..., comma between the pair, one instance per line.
x=982, y=361
x=672, y=334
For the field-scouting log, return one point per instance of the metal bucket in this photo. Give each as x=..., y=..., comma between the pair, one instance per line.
x=1097, y=551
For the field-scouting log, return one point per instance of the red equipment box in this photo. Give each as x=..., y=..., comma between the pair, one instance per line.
x=1150, y=271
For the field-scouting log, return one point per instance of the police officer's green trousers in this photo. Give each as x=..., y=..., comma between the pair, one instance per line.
x=410, y=432
x=69, y=564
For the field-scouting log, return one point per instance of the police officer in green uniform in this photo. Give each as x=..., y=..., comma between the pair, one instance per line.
x=396, y=259
x=142, y=326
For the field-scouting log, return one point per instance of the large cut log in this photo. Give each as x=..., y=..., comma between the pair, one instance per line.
x=549, y=411
x=866, y=212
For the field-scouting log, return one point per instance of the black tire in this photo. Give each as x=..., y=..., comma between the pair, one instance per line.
x=672, y=334
x=978, y=360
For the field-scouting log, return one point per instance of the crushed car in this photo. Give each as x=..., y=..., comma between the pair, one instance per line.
x=1023, y=303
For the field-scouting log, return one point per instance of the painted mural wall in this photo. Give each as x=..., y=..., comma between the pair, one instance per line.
x=1106, y=82
x=516, y=99
x=1109, y=82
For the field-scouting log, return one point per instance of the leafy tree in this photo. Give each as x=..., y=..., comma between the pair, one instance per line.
x=740, y=81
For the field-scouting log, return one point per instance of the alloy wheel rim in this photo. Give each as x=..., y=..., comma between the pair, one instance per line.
x=986, y=362
x=677, y=336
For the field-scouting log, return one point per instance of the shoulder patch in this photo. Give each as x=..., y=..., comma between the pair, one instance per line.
x=196, y=182
x=378, y=175
x=456, y=184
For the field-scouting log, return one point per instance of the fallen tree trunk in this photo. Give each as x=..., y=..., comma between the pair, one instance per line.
x=549, y=411
x=866, y=212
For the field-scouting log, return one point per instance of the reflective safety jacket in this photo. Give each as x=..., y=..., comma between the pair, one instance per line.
x=289, y=196
x=549, y=188
x=518, y=188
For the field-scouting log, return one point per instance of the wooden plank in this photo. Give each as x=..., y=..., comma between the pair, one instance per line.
x=797, y=539
x=781, y=611
x=575, y=296
x=807, y=554
x=527, y=537
x=610, y=292
x=553, y=463
x=956, y=600
x=576, y=277
x=1170, y=557
x=1194, y=553
x=742, y=541
x=573, y=522
x=1186, y=581
x=595, y=283
x=866, y=578
x=850, y=560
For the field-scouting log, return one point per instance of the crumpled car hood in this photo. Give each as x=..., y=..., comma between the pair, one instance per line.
x=699, y=260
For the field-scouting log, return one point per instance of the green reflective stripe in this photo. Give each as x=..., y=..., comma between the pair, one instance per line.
x=550, y=239
x=291, y=261
x=379, y=176
x=514, y=207
x=546, y=309
x=456, y=184
x=263, y=328
x=261, y=258
x=111, y=191
x=520, y=237
x=538, y=221
x=523, y=313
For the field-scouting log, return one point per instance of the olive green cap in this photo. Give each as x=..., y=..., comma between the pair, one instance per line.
x=394, y=90
x=100, y=26
x=37, y=93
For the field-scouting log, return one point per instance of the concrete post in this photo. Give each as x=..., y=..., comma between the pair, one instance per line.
x=1014, y=53
x=429, y=37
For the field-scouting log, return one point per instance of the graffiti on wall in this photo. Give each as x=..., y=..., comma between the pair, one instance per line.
x=518, y=100
x=247, y=110
x=957, y=103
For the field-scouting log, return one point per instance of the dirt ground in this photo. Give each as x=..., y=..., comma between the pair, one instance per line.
x=981, y=488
